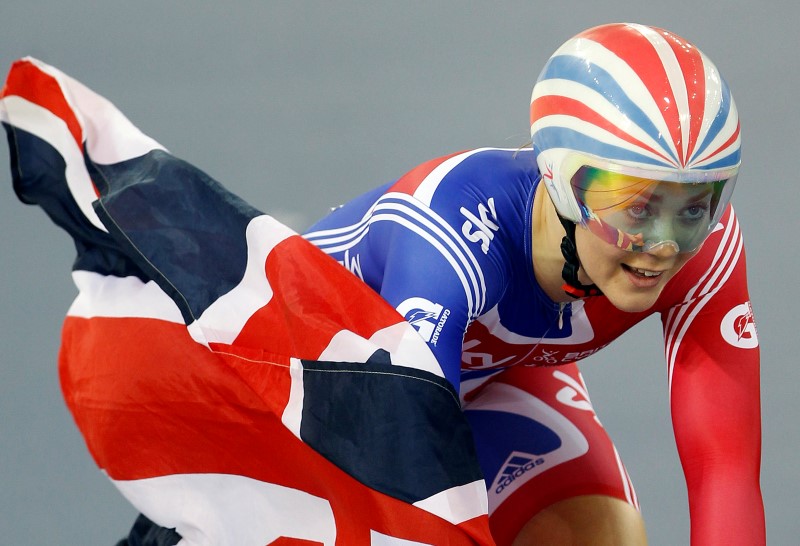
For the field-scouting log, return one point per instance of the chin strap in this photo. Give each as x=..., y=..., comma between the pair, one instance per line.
x=572, y=286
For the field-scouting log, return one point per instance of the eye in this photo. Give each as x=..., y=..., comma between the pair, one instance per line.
x=694, y=212
x=638, y=211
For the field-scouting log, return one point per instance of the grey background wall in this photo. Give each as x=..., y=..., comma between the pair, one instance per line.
x=299, y=106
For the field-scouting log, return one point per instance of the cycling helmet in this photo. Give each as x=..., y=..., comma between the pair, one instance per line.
x=636, y=136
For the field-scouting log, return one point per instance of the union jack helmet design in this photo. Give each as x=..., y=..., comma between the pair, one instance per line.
x=635, y=100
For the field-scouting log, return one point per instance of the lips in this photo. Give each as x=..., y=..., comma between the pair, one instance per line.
x=642, y=278
x=645, y=272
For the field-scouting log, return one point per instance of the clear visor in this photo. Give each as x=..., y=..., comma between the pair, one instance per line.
x=642, y=214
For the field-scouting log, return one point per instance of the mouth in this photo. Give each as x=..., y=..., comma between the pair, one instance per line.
x=642, y=272
x=642, y=278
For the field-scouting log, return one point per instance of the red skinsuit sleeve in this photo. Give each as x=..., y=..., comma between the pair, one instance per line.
x=713, y=356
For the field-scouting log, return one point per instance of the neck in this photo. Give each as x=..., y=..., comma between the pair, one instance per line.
x=547, y=234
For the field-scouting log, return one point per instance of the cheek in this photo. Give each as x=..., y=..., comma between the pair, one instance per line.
x=598, y=258
x=680, y=262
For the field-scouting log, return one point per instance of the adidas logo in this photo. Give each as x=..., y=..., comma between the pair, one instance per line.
x=515, y=466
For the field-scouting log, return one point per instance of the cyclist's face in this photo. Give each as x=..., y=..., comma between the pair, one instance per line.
x=632, y=281
x=650, y=214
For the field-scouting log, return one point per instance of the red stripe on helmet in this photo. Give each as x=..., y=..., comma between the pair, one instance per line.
x=694, y=77
x=640, y=54
x=558, y=105
x=726, y=144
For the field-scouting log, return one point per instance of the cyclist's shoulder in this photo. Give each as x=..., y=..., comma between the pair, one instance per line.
x=471, y=172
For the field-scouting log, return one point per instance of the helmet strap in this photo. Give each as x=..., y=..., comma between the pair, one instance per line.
x=572, y=286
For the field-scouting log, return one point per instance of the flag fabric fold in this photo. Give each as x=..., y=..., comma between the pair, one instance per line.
x=235, y=383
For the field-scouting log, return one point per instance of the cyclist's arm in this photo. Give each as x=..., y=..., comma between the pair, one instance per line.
x=437, y=244
x=432, y=291
x=713, y=355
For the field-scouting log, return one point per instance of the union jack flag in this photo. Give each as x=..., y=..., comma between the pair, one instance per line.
x=234, y=382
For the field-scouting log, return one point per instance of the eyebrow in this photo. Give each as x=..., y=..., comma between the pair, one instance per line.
x=658, y=198
x=704, y=194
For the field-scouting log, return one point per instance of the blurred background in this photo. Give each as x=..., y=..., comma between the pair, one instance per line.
x=299, y=106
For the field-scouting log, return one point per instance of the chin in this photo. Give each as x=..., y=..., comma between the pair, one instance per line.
x=632, y=302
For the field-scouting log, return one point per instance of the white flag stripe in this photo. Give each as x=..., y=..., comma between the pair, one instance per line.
x=230, y=510
x=95, y=114
x=224, y=319
x=42, y=123
x=458, y=504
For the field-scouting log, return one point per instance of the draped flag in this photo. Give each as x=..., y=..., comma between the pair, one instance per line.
x=234, y=383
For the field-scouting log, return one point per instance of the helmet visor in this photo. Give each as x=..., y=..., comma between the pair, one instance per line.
x=643, y=214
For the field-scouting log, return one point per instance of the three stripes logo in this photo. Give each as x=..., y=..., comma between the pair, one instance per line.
x=515, y=467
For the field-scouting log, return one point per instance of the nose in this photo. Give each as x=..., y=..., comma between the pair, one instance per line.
x=664, y=249
x=663, y=238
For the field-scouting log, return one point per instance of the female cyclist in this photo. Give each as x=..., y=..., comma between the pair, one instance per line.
x=515, y=264
x=199, y=385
